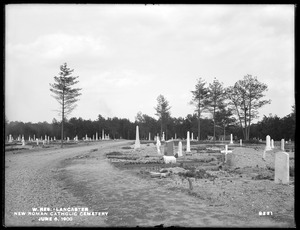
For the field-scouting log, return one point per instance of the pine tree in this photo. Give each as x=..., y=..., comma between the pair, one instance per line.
x=200, y=100
x=65, y=94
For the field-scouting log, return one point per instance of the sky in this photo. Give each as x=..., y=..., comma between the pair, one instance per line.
x=127, y=55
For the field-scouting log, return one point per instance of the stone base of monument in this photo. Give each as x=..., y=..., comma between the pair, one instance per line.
x=169, y=159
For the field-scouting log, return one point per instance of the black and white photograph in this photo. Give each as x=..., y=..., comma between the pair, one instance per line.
x=149, y=115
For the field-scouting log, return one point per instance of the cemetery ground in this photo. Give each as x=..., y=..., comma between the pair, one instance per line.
x=136, y=188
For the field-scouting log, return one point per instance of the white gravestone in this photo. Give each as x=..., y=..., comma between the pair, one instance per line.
x=272, y=144
x=268, y=143
x=86, y=138
x=192, y=137
x=188, y=144
x=241, y=142
x=180, y=149
x=158, y=144
x=137, y=143
x=231, y=139
x=282, y=168
x=23, y=142
x=149, y=136
x=163, y=136
x=37, y=141
x=96, y=136
x=282, y=145
x=169, y=159
x=10, y=139
x=226, y=151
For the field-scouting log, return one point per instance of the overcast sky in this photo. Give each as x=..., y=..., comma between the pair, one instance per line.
x=126, y=55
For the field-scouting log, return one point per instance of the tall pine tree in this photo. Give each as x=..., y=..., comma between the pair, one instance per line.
x=65, y=94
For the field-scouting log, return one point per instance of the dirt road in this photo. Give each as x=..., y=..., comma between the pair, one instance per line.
x=82, y=177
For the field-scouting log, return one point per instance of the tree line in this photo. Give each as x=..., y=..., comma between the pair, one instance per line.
x=117, y=128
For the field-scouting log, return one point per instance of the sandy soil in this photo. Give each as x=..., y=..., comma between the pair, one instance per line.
x=83, y=176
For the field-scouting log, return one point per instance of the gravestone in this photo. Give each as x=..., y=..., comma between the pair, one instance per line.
x=48, y=140
x=241, y=142
x=188, y=144
x=282, y=145
x=282, y=168
x=169, y=159
x=272, y=144
x=102, y=134
x=86, y=137
x=192, y=137
x=169, y=148
x=163, y=136
x=180, y=149
x=137, y=143
x=54, y=139
x=226, y=151
x=268, y=143
x=45, y=137
x=231, y=139
x=68, y=139
x=96, y=136
x=158, y=144
x=10, y=139
x=149, y=136
x=23, y=142
x=37, y=141
x=175, y=136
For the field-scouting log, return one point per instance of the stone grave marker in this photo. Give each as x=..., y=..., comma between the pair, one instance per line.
x=188, y=144
x=241, y=142
x=272, y=144
x=180, y=149
x=169, y=148
x=137, y=143
x=37, y=141
x=158, y=144
x=226, y=151
x=169, y=159
x=231, y=139
x=149, y=136
x=10, y=139
x=192, y=137
x=282, y=168
x=282, y=145
x=268, y=143
x=163, y=136
x=96, y=136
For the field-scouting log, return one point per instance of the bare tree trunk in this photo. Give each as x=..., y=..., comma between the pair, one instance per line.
x=62, y=121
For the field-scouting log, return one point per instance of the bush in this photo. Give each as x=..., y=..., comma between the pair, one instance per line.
x=114, y=153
